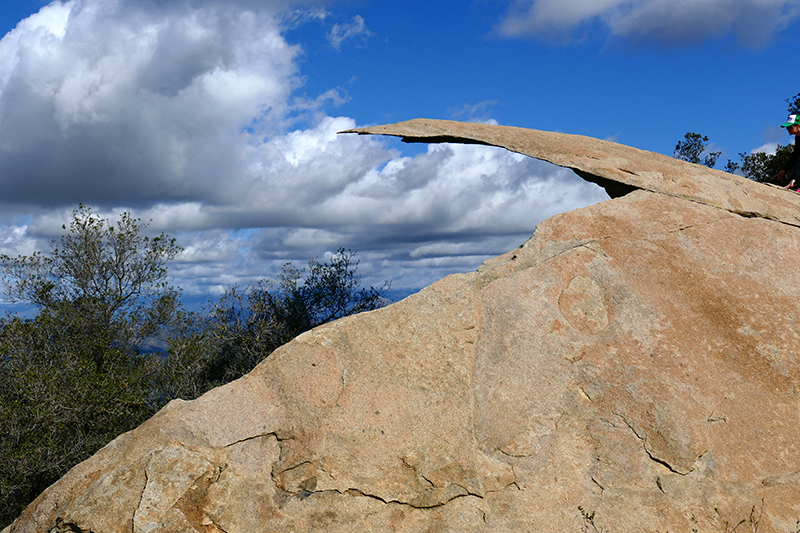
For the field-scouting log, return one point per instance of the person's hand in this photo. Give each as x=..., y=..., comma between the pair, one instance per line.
x=781, y=174
x=790, y=186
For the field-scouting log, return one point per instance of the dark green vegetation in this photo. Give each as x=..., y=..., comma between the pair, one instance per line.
x=758, y=167
x=78, y=373
x=693, y=149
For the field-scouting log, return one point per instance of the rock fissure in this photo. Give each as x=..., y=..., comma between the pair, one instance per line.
x=582, y=390
x=364, y=494
x=662, y=462
x=289, y=469
x=63, y=526
x=753, y=214
x=216, y=525
x=650, y=454
x=529, y=261
x=462, y=493
x=259, y=436
x=427, y=480
x=141, y=496
x=465, y=494
x=740, y=212
x=408, y=504
x=302, y=495
x=703, y=224
x=512, y=455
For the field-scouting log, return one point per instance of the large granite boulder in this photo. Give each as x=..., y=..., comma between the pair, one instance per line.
x=634, y=366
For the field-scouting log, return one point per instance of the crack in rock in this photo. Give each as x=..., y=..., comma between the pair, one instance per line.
x=652, y=457
x=67, y=527
x=361, y=493
x=261, y=435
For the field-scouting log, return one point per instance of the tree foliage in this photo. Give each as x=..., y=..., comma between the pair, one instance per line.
x=693, y=148
x=757, y=166
x=57, y=404
x=794, y=104
x=109, y=271
x=763, y=167
x=247, y=324
x=72, y=378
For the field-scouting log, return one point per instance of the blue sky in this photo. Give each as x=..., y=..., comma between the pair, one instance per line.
x=435, y=59
x=217, y=120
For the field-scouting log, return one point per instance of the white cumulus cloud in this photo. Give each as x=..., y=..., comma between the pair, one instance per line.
x=118, y=101
x=188, y=114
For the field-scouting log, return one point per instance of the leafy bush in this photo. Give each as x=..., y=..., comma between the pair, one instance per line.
x=65, y=391
x=764, y=168
x=228, y=340
x=759, y=166
x=72, y=378
x=693, y=148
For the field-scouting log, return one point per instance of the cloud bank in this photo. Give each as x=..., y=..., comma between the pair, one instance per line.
x=189, y=114
x=753, y=22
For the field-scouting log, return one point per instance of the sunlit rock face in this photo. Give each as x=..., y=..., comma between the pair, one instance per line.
x=634, y=366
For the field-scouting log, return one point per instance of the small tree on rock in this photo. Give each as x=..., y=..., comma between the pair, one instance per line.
x=794, y=104
x=693, y=148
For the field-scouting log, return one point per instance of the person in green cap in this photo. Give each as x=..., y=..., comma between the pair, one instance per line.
x=791, y=171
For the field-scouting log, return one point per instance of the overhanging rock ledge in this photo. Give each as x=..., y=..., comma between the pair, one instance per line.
x=616, y=167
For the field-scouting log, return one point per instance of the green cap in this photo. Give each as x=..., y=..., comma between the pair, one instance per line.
x=791, y=121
